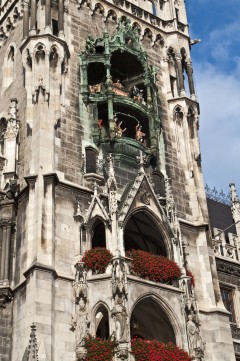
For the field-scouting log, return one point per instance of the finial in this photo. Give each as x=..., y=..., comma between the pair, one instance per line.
x=141, y=162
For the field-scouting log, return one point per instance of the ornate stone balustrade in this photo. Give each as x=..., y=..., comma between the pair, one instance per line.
x=224, y=247
x=138, y=12
x=10, y=14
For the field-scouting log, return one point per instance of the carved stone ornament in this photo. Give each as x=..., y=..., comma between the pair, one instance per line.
x=32, y=354
x=119, y=278
x=80, y=321
x=81, y=353
x=120, y=320
x=80, y=285
x=5, y=297
x=229, y=268
x=122, y=352
x=196, y=345
x=235, y=332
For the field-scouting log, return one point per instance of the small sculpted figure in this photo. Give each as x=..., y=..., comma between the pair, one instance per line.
x=118, y=130
x=139, y=134
x=137, y=94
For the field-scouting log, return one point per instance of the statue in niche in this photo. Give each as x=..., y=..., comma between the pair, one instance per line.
x=117, y=127
x=119, y=314
x=196, y=346
x=139, y=136
x=119, y=278
x=81, y=325
x=137, y=94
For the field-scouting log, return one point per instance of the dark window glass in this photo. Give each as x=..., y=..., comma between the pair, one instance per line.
x=91, y=161
x=228, y=302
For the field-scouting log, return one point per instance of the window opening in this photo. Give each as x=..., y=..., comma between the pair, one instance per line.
x=141, y=233
x=102, y=323
x=55, y=27
x=227, y=297
x=99, y=235
x=91, y=160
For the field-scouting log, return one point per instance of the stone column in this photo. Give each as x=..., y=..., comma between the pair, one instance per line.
x=33, y=17
x=48, y=16
x=25, y=19
x=180, y=75
x=2, y=256
x=190, y=79
x=61, y=18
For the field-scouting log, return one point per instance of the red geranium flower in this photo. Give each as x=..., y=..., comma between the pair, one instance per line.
x=97, y=259
x=153, y=267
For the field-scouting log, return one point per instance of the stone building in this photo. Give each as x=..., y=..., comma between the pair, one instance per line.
x=99, y=148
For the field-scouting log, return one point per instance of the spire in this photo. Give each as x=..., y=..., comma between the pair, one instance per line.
x=112, y=184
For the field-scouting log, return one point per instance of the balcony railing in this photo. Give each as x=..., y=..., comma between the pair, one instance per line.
x=226, y=245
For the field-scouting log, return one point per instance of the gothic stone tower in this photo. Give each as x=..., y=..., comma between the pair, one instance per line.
x=99, y=147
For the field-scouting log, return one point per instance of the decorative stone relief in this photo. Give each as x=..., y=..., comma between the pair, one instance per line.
x=229, y=268
x=5, y=297
x=12, y=125
x=80, y=320
x=196, y=346
x=235, y=332
x=190, y=310
x=119, y=311
x=32, y=354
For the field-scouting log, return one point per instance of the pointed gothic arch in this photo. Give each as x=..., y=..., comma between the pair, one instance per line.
x=101, y=321
x=143, y=231
x=9, y=66
x=98, y=233
x=151, y=318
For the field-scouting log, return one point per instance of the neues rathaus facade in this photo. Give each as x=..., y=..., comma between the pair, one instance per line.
x=99, y=148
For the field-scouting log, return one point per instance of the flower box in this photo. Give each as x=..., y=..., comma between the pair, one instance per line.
x=97, y=259
x=152, y=350
x=153, y=267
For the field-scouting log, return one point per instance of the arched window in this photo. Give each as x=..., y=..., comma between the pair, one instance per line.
x=173, y=72
x=155, y=325
x=8, y=69
x=141, y=232
x=98, y=234
x=102, y=323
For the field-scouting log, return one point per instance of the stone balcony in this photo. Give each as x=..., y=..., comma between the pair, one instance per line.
x=226, y=246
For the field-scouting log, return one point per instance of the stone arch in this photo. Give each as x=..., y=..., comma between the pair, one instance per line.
x=98, y=9
x=160, y=322
x=39, y=52
x=144, y=224
x=178, y=113
x=111, y=15
x=136, y=26
x=159, y=40
x=101, y=320
x=148, y=34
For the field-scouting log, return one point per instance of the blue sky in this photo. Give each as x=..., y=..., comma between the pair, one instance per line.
x=216, y=62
